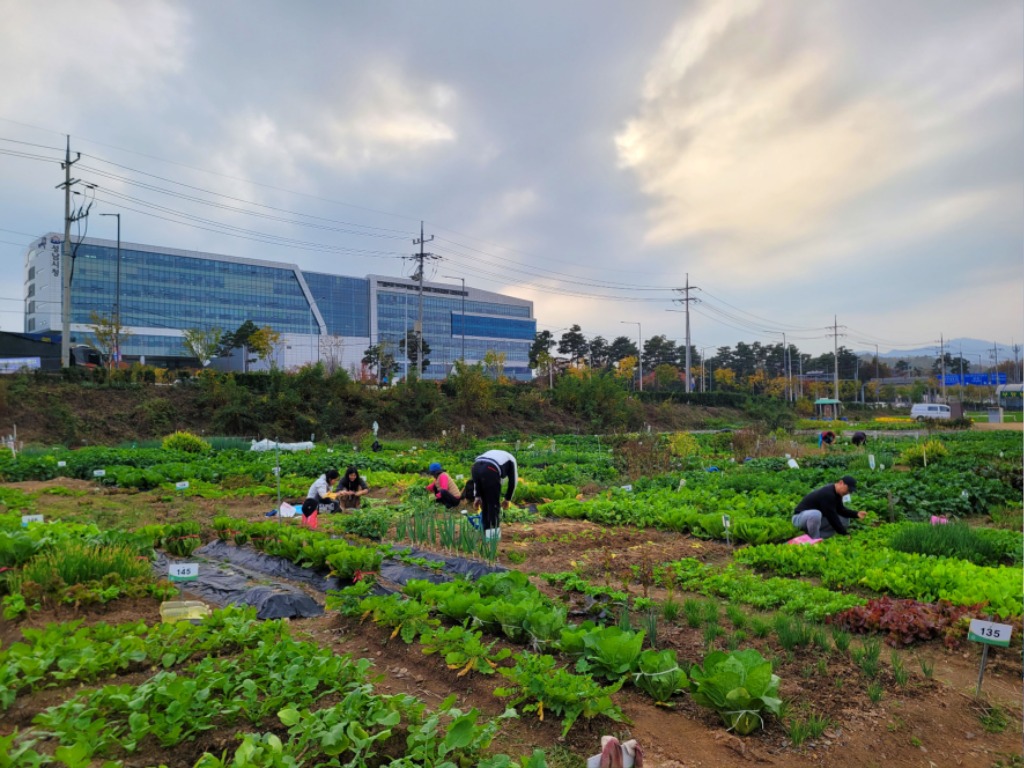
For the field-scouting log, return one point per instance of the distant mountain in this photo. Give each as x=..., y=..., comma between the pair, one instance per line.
x=971, y=349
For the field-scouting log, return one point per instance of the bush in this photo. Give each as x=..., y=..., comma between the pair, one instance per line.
x=917, y=455
x=185, y=441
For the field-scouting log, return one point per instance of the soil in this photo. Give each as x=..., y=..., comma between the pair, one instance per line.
x=930, y=721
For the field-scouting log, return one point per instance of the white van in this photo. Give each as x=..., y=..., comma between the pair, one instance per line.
x=923, y=411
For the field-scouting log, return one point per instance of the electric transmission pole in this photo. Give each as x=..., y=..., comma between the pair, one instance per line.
x=421, y=257
x=835, y=351
x=65, y=266
x=686, y=305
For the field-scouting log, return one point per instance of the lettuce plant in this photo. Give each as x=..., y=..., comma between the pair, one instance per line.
x=659, y=675
x=610, y=652
x=739, y=686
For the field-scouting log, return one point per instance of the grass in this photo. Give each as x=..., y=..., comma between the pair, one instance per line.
x=841, y=638
x=875, y=692
x=737, y=616
x=951, y=540
x=866, y=657
x=994, y=719
x=792, y=633
x=694, y=612
x=811, y=728
x=927, y=667
x=670, y=609
x=78, y=563
x=899, y=671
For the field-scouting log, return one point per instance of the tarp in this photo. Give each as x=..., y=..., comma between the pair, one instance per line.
x=269, y=445
x=226, y=584
x=250, y=560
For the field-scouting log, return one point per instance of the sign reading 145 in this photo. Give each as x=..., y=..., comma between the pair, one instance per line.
x=183, y=571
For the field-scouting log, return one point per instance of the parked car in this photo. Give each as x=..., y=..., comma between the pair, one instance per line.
x=923, y=411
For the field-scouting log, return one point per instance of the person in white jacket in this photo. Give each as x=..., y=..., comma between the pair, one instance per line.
x=489, y=469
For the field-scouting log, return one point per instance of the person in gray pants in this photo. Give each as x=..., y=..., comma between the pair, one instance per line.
x=820, y=514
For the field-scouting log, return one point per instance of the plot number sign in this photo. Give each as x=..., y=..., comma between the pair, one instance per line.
x=990, y=633
x=26, y=519
x=61, y=464
x=99, y=473
x=182, y=485
x=726, y=522
x=183, y=571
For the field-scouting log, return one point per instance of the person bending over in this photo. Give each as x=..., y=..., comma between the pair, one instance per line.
x=443, y=488
x=820, y=513
x=319, y=497
x=488, y=471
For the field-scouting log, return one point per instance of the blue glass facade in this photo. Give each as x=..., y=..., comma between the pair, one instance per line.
x=344, y=303
x=163, y=292
x=497, y=327
x=494, y=327
x=160, y=290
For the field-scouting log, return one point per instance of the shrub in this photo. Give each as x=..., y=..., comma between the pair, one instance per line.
x=917, y=455
x=185, y=441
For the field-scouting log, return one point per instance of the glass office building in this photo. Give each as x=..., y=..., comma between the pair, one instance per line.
x=457, y=324
x=160, y=292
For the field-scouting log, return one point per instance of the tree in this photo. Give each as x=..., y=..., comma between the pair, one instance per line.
x=240, y=338
x=410, y=347
x=331, y=350
x=108, y=336
x=494, y=364
x=599, y=353
x=573, y=344
x=379, y=358
x=626, y=369
x=263, y=342
x=542, y=344
x=659, y=350
x=665, y=375
x=203, y=343
x=621, y=348
x=725, y=379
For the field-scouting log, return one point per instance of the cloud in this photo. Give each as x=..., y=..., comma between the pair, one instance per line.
x=740, y=148
x=132, y=49
x=756, y=143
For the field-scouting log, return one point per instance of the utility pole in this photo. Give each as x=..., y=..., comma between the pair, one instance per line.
x=878, y=376
x=835, y=352
x=452, y=277
x=420, y=257
x=686, y=308
x=995, y=356
x=942, y=358
x=117, y=293
x=65, y=310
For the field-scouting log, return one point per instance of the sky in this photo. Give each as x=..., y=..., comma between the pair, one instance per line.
x=801, y=164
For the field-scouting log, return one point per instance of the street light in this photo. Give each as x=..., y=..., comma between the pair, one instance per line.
x=702, y=387
x=640, y=348
x=452, y=277
x=117, y=293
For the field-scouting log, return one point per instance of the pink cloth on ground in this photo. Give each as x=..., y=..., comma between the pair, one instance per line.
x=804, y=539
x=936, y=520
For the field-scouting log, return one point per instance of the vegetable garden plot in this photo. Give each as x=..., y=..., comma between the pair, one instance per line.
x=870, y=715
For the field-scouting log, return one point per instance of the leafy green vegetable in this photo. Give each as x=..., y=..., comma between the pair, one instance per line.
x=740, y=686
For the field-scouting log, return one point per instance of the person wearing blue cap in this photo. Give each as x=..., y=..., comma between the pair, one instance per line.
x=444, y=489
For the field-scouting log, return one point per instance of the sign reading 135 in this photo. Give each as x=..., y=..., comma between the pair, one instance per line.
x=990, y=633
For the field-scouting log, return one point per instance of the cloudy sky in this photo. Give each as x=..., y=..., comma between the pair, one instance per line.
x=799, y=160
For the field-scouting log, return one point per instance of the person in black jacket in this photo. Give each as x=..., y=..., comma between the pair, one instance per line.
x=820, y=513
